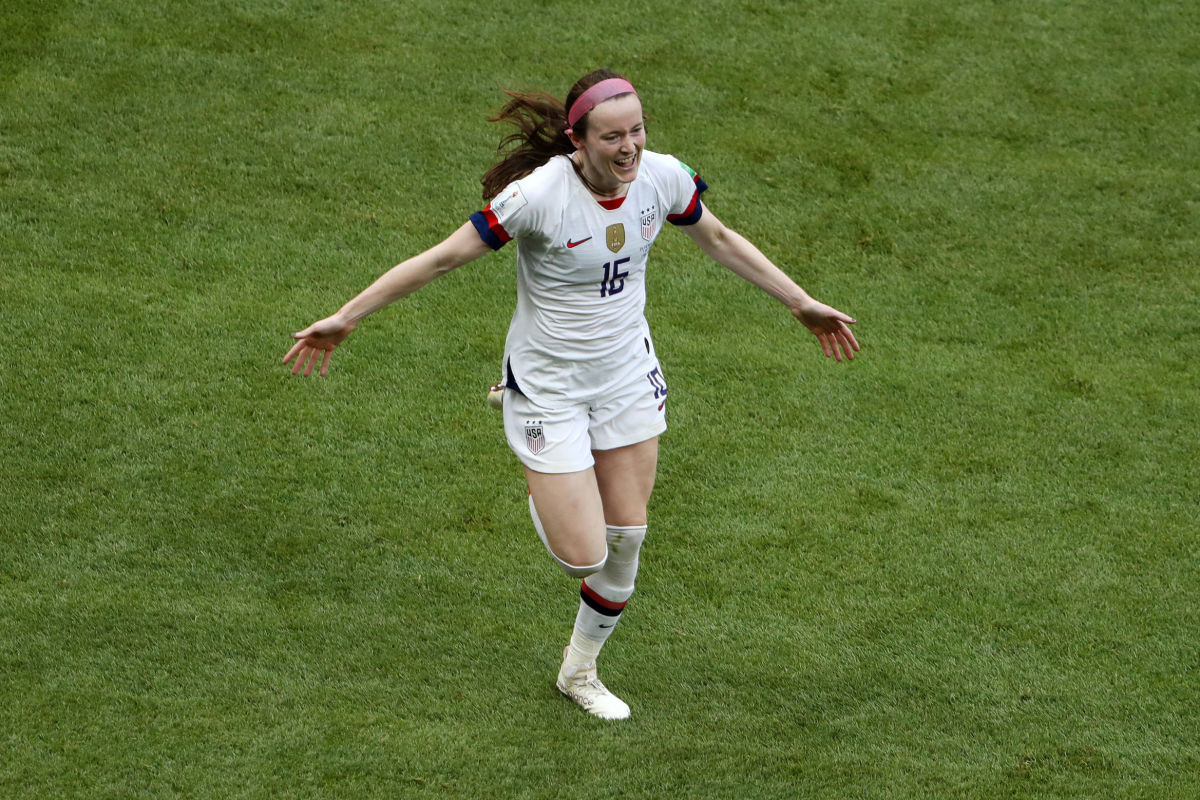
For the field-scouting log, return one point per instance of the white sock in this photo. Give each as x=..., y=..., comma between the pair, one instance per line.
x=604, y=594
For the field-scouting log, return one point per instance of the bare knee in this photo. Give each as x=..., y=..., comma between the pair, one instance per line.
x=578, y=559
x=578, y=550
x=580, y=570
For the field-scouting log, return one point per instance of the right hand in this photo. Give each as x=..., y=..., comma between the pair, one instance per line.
x=320, y=337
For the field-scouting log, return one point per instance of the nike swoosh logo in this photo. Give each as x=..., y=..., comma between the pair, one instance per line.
x=576, y=244
x=608, y=626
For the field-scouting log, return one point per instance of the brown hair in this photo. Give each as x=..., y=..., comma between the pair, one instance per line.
x=540, y=135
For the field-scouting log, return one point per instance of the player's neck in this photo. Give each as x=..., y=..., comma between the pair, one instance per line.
x=600, y=187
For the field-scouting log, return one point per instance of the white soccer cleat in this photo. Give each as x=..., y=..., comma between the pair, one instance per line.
x=495, y=397
x=581, y=685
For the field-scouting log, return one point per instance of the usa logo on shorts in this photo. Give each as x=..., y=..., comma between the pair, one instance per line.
x=535, y=439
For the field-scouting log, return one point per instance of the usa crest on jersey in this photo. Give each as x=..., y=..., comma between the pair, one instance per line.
x=648, y=223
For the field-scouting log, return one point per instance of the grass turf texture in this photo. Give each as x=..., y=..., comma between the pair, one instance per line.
x=964, y=566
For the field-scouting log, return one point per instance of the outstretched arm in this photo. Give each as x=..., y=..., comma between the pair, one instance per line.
x=319, y=339
x=735, y=252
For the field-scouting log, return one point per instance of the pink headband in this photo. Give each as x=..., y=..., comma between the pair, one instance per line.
x=595, y=95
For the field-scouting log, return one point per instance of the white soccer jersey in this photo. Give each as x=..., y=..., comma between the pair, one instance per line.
x=581, y=263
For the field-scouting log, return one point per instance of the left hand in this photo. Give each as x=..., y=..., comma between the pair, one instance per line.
x=830, y=326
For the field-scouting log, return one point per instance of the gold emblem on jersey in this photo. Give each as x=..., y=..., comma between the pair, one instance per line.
x=616, y=237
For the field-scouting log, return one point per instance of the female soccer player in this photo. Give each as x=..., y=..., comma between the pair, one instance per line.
x=584, y=397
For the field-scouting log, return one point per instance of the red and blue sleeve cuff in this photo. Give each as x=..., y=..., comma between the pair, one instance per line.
x=490, y=229
x=691, y=215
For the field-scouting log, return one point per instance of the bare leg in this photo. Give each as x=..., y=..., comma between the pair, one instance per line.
x=571, y=513
x=575, y=507
x=625, y=477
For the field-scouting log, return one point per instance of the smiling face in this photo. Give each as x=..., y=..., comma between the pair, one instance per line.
x=611, y=151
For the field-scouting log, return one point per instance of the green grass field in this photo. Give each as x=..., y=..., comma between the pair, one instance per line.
x=963, y=566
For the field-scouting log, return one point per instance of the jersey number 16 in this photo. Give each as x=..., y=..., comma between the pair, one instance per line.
x=614, y=279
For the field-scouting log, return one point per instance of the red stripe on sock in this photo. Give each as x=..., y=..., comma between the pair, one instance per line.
x=600, y=601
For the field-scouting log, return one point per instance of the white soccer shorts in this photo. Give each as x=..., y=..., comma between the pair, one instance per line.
x=559, y=433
